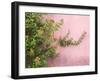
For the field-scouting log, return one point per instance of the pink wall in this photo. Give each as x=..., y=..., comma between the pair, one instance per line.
x=72, y=55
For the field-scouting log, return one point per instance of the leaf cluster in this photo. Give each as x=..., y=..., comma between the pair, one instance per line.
x=66, y=41
x=38, y=39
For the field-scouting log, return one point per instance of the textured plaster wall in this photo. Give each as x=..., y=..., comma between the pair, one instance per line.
x=72, y=55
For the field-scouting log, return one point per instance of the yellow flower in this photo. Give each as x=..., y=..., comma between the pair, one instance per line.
x=37, y=60
x=40, y=31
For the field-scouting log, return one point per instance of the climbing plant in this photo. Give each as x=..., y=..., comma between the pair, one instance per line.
x=66, y=41
x=39, y=40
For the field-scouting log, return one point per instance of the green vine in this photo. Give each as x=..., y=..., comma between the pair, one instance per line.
x=39, y=39
x=66, y=41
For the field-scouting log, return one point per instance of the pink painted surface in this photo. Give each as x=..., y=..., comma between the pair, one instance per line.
x=72, y=55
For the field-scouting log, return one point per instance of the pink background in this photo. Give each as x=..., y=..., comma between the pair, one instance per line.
x=72, y=55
